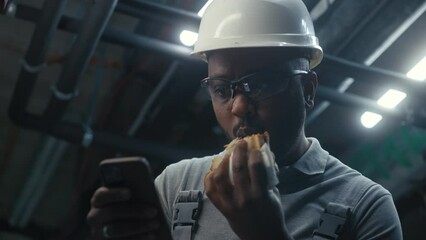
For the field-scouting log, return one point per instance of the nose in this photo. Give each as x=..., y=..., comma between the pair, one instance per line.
x=241, y=106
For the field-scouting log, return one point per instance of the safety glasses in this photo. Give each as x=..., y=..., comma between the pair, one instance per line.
x=256, y=86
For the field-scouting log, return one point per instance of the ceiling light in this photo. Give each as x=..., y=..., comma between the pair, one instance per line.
x=188, y=38
x=418, y=72
x=391, y=98
x=369, y=119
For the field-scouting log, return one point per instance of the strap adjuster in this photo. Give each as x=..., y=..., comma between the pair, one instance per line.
x=188, y=209
x=332, y=221
x=330, y=226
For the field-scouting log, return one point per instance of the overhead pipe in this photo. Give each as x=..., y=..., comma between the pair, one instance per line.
x=117, y=36
x=352, y=100
x=3, y=5
x=74, y=132
x=151, y=99
x=48, y=20
x=159, y=12
x=93, y=25
x=179, y=52
x=45, y=163
x=368, y=74
x=33, y=61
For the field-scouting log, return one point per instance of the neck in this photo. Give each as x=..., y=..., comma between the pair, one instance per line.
x=295, y=151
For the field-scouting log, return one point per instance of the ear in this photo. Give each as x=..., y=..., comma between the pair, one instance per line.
x=309, y=84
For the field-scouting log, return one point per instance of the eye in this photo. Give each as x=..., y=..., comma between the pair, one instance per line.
x=221, y=90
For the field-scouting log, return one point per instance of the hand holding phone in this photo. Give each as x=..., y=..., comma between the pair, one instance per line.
x=117, y=214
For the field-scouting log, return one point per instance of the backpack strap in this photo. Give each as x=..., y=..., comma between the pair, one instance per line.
x=188, y=207
x=336, y=214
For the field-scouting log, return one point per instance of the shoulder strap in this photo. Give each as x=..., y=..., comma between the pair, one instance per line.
x=335, y=215
x=188, y=207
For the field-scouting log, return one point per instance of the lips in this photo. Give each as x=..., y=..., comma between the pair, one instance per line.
x=246, y=131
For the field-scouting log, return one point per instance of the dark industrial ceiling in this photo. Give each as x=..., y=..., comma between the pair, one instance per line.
x=138, y=94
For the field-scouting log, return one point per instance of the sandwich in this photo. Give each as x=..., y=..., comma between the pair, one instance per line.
x=258, y=141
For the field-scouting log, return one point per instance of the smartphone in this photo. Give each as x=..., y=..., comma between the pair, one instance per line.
x=135, y=174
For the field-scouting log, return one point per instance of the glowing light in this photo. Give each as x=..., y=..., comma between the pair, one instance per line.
x=418, y=72
x=391, y=98
x=370, y=119
x=188, y=38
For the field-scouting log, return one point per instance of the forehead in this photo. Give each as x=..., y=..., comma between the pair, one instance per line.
x=238, y=62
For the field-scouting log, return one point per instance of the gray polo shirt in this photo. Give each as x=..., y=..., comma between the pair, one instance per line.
x=306, y=188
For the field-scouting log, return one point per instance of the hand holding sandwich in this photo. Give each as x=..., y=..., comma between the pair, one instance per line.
x=252, y=209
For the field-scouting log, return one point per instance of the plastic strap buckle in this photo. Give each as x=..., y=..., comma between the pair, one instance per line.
x=330, y=226
x=188, y=209
x=332, y=221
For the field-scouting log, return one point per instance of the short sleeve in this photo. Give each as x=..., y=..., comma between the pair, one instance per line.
x=376, y=216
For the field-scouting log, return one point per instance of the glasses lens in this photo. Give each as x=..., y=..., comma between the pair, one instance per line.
x=218, y=90
x=265, y=84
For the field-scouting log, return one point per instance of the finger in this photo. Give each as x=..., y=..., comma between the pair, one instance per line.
x=104, y=196
x=100, y=216
x=240, y=168
x=209, y=186
x=258, y=174
x=130, y=229
x=217, y=184
x=222, y=180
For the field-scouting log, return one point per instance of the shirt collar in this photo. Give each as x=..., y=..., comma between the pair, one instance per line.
x=313, y=161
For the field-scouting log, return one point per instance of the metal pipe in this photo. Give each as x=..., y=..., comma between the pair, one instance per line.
x=33, y=61
x=361, y=72
x=159, y=12
x=48, y=158
x=3, y=5
x=117, y=36
x=352, y=100
x=152, y=98
x=175, y=51
x=93, y=25
x=74, y=132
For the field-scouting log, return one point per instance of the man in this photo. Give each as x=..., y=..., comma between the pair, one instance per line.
x=260, y=54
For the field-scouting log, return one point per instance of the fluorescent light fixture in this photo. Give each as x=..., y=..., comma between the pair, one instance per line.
x=418, y=72
x=391, y=98
x=203, y=9
x=188, y=38
x=370, y=119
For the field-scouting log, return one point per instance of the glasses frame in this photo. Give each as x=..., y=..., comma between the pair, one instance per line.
x=243, y=87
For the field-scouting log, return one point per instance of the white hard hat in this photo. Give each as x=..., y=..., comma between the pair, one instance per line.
x=257, y=23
